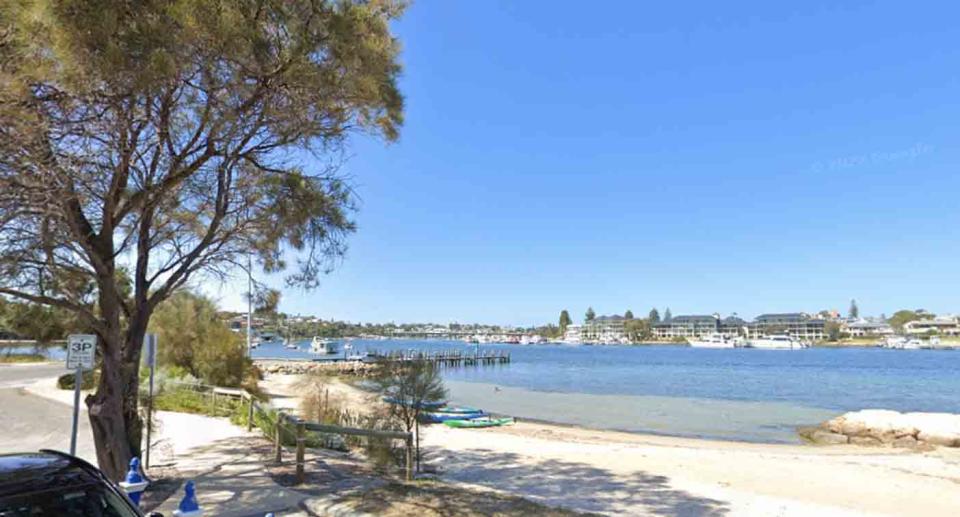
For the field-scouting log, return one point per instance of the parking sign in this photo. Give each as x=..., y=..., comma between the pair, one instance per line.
x=81, y=349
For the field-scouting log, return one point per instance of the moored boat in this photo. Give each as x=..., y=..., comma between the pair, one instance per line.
x=715, y=340
x=776, y=342
x=323, y=346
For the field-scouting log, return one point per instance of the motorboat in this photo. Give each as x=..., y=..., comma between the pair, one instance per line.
x=323, y=346
x=776, y=342
x=715, y=340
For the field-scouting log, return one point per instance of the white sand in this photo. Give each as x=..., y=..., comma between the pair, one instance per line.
x=633, y=474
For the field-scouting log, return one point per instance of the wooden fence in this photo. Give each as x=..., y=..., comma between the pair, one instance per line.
x=301, y=426
x=297, y=426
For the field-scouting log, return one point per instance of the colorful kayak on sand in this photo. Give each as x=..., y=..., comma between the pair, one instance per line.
x=479, y=422
x=436, y=417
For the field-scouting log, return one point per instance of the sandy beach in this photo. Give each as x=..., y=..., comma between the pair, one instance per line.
x=620, y=473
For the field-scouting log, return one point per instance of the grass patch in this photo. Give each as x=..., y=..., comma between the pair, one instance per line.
x=435, y=499
x=185, y=400
x=22, y=358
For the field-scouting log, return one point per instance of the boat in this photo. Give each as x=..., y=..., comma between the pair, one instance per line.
x=475, y=423
x=429, y=406
x=775, y=342
x=459, y=409
x=438, y=417
x=323, y=346
x=292, y=345
x=363, y=357
x=715, y=340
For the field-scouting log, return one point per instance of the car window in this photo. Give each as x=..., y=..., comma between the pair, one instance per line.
x=88, y=501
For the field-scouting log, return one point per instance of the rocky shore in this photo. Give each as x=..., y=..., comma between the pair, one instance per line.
x=875, y=427
x=295, y=367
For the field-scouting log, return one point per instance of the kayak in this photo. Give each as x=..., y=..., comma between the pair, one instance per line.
x=430, y=406
x=463, y=410
x=436, y=417
x=479, y=422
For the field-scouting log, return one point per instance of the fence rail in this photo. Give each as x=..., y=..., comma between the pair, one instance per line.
x=301, y=426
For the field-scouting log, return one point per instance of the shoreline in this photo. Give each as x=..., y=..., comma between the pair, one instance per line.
x=616, y=473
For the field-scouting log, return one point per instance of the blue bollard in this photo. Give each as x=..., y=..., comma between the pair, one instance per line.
x=188, y=505
x=134, y=485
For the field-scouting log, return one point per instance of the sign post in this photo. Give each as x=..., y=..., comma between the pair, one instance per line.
x=152, y=363
x=81, y=350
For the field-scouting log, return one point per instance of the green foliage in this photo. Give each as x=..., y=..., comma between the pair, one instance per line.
x=590, y=315
x=654, y=316
x=565, y=320
x=89, y=379
x=832, y=329
x=412, y=385
x=901, y=318
x=638, y=330
x=854, y=311
x=667, y=316
x=40, y=323
x=628, y=315
x=193, y=338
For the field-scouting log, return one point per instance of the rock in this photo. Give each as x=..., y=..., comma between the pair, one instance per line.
x=823, y=437
x=875, y=426
x=865, y=441
x=907, y=442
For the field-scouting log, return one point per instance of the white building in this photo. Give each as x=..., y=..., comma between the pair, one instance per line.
x=573, y=334
x=863, y=327
x=943, y=325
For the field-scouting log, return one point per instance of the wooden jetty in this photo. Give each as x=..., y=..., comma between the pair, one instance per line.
x=447, y=358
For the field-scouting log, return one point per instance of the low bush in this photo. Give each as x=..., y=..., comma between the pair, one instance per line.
x=90, y=379
x=22, y=358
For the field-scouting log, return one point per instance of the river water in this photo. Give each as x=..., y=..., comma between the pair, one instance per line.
x=742, y=394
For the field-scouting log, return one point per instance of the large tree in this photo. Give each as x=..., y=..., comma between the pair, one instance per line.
x=590, y=315
x=177, y=138
x=854, y=311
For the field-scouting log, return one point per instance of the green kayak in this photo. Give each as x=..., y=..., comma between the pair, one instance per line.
x=479, y=422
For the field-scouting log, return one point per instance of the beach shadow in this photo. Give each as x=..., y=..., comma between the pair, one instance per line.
x=575, y=485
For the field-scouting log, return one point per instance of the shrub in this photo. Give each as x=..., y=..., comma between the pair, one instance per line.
x=90, y=379
x=192, y=338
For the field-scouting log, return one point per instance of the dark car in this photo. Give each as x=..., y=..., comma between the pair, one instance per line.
x=54, y=483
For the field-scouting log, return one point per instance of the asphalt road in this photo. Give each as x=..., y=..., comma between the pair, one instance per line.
x=29, y=422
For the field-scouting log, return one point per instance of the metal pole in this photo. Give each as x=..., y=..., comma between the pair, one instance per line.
x=249, y=305
x=149, y=415
x=78, y=380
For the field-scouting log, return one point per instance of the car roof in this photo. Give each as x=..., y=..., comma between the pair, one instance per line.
x=35, y=471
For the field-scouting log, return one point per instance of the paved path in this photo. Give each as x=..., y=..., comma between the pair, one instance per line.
x=30, y=422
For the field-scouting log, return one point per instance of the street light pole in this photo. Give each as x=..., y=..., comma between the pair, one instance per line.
x=249, y=306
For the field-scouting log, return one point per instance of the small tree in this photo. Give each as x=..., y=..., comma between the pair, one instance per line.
x=854, y=312
x=590, y=314
x=628, y=315
x=565, y=320
x=410, y=387
x=654, y=316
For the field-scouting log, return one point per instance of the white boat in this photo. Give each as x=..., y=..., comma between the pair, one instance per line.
x=912, y=344
x=323, y=346
x=776, y=342
x=290, y=344
x=715, y=340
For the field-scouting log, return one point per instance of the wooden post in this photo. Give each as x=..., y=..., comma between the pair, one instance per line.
x=278, y=445
x=301, y=438
x=250, y=412
x=409, y=458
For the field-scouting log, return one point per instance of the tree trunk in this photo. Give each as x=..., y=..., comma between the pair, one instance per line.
x=114, y=408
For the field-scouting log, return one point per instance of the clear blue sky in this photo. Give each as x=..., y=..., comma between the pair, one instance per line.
x=714, y=156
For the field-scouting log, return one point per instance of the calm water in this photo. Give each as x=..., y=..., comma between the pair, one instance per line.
x=757, y=395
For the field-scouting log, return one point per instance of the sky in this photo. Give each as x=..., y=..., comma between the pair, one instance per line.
x=743, y=157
